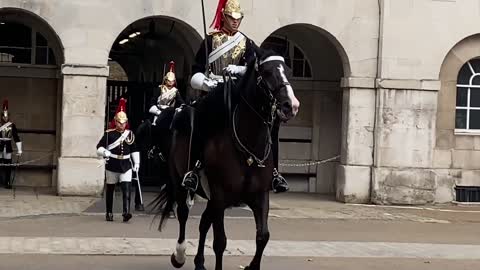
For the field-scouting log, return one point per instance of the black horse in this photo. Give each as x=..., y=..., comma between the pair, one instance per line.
x=234, y=126
x=155, y=140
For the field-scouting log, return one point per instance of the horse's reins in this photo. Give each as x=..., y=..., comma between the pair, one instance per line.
x=268, y=122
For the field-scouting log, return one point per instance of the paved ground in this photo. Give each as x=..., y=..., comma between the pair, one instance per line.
x=36, y=262
x=41, y=231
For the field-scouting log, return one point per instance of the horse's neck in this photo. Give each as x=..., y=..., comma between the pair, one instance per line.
x=251, y=127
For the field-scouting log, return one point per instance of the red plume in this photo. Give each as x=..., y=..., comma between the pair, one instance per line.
x=218, y=19
x=122, y=107
x=172, y=67
x=5, y=104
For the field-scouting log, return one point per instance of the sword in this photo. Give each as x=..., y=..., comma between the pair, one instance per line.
x=14, y=174
x=205, y=40
x=139, y=187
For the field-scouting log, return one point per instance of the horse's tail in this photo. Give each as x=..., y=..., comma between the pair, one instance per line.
x=164, y=202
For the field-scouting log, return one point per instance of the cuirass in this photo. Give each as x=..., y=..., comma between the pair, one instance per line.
x=232, y=57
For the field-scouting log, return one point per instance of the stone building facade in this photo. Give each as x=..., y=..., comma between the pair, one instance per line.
x=377, y=81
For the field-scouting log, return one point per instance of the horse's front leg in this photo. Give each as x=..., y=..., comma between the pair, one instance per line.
x=260, y=208
x=205, y=223
x=219, y=237
x=179, y=256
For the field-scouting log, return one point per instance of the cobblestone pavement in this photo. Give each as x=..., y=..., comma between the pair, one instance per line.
x=156, y=247
x=27, y=202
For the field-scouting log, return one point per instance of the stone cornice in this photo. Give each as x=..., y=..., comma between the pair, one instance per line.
x=85, y=70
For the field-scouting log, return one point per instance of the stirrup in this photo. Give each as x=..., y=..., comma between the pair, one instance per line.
x=190, y=177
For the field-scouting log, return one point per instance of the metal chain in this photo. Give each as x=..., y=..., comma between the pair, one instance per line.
x=310, y=163
x=25, y=162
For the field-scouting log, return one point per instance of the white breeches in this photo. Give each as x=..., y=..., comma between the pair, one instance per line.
x=114, y=177
x=5, y=155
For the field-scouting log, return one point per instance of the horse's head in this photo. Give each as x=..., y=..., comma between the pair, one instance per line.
x=273, y=78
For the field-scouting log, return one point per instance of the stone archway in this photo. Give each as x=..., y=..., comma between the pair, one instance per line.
x=144, y=49
x=318, y=64
x=30, y=62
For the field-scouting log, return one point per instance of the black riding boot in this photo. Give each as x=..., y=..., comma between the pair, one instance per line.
x=8, y=173
x=138, y=201
x=191, y=178
x=126, y=188
x=279, y=183
x=109, y=201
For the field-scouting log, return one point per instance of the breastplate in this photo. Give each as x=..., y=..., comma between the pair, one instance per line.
x=232, y=57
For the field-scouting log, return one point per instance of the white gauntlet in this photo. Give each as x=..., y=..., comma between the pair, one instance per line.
x=19, y=148
x=136, y=161
x=102, y=152
x=200, y=82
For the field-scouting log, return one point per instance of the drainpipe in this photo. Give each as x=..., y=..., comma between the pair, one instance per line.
x=377, y=75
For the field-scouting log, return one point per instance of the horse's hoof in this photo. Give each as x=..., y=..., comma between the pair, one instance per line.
x=200, y=268
x=175, y=263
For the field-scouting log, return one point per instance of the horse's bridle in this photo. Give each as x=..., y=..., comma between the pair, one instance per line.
x=268, y=91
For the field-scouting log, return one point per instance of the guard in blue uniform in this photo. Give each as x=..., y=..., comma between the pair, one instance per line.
x=8, y=134
x=118, y=147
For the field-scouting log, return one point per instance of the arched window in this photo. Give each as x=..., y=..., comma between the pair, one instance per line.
x=22, y=44
x=294, y=56
x=467, y=116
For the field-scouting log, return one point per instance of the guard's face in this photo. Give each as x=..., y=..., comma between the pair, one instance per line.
x=169, y=83
x=4, y=117
x=120, y=126
x=231, y=23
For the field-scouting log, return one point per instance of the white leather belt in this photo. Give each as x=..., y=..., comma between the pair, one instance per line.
x=5, y=139
x=120, y=156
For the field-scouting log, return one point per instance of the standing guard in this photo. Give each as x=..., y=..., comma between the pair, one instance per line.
x=117, y=146
x=228, y=51
x=8, y=132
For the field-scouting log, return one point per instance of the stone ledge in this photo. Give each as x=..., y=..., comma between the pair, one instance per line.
x=427, y=85
x=357, y=82
x=85, y=70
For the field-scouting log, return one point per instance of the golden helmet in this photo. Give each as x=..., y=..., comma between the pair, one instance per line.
x=171, y=73
x=226, y=7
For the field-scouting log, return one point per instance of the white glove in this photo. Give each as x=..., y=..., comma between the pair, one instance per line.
x=236, y=70
x=136, y=161
x=154, y=110
x=200, y=82
x=209, y=84
x=19, y=148
x=102, y=152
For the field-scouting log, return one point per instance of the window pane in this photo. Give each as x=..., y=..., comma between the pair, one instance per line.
x=474, y=119
x=476, y=65
x=462, y=97
x=474, y=97
x=41, y=41
x=15, y=35
x=51, y=57
x=297, y=54
x=461, y=119
x=41, y=56
x=297, y=68
x=308, y=70
x=476, y=80
x=464, y=75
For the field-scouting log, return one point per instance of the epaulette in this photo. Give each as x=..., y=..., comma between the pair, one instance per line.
x=110, y=130
x=214, y=32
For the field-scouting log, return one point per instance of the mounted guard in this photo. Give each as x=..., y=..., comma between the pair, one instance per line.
x=227, y=50
x=118, y=147
x=8, y=133
x=168, y=97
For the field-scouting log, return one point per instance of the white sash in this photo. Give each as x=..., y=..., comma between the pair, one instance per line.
x=5, y=126
x=119, y=140
x=225, y=47
x=167, y=96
